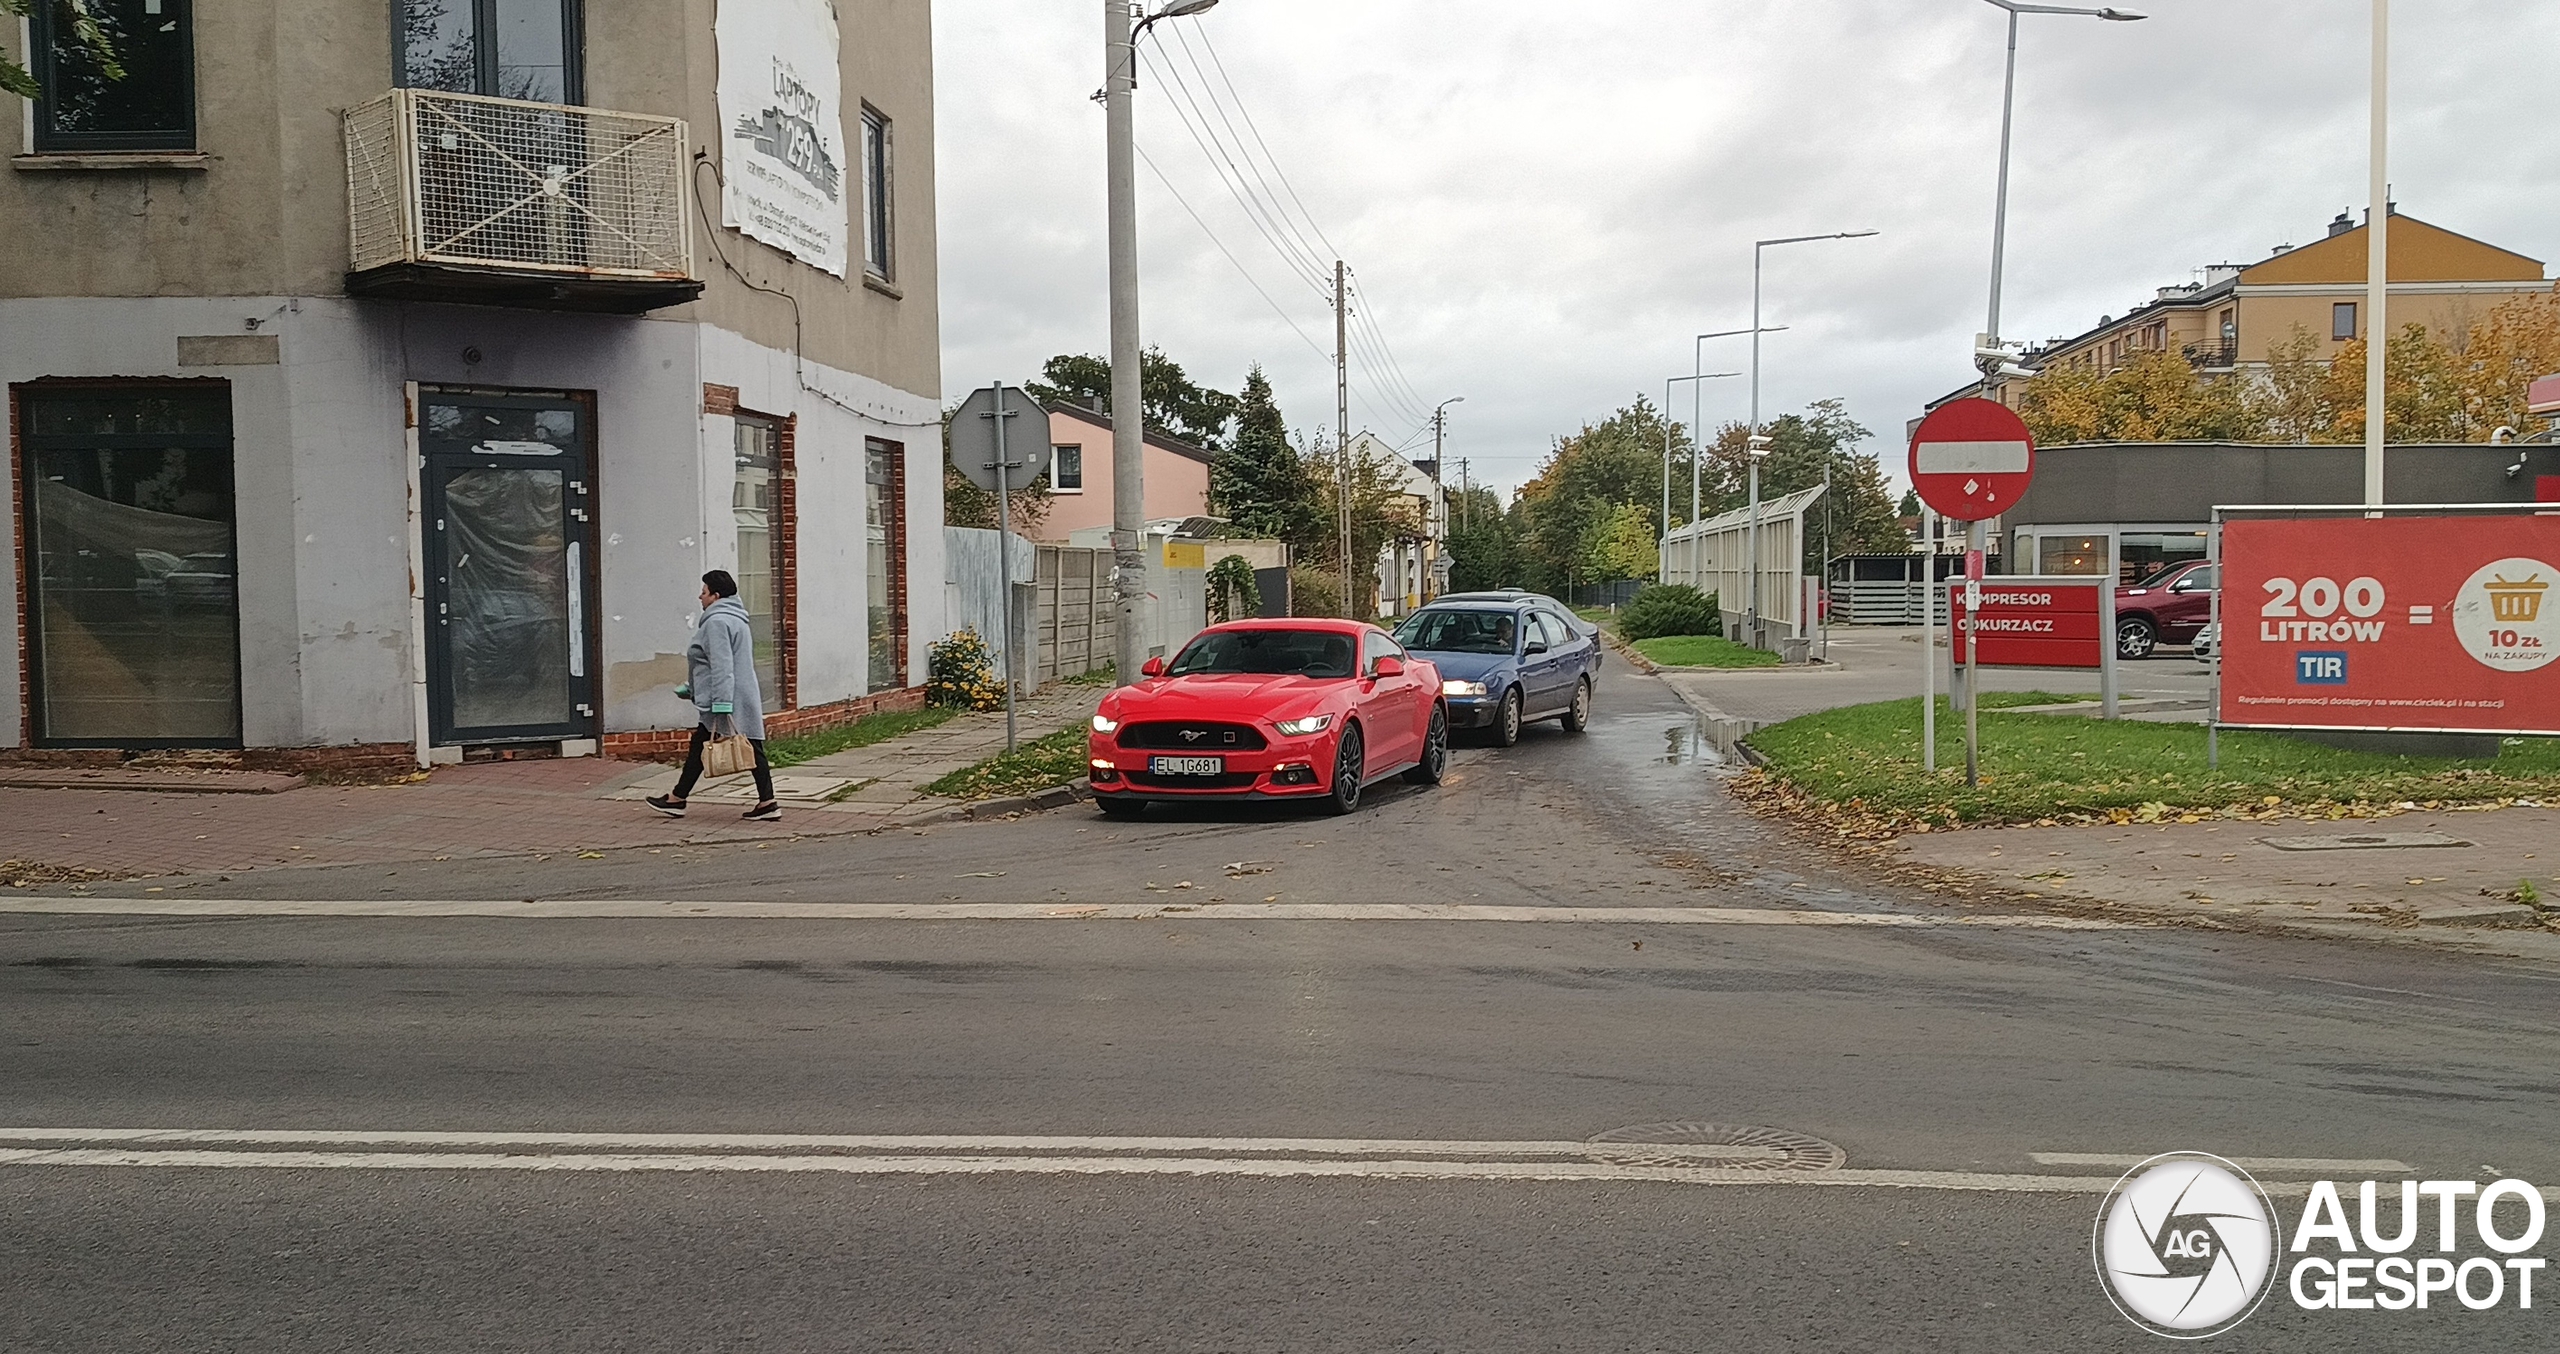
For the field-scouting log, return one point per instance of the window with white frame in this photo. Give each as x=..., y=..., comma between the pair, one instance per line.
x=1066, y=470
x=879, y=252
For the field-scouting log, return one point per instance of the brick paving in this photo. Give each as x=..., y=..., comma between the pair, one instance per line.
x=541, y=807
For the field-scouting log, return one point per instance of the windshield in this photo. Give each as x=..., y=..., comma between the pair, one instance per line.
x=1301, y=653
x=1461, y=632
x=2161, y=579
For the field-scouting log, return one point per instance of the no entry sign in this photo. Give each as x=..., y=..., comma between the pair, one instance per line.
x=2033, y=622
x=2436, y=624
x=1972, y=460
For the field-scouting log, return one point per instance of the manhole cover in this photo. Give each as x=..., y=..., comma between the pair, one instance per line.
x=2367, y=841
x=1729, y=1147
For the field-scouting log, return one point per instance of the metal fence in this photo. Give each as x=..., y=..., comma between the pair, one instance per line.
x=1715, y=556
x=462, y=179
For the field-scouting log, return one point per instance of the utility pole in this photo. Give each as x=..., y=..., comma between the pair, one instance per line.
x=2377, y=325
x=1466, y=497
x=1128, y=407
x=1342, y=414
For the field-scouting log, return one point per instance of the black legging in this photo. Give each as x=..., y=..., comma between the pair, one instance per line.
x=693, y=767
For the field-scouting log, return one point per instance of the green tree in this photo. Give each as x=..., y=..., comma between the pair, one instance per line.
x=1261, y=485
x=1380, y=512
x=2153, y=397
x=1586, y=478
x=1621, y=546
x=1482, y=554
x=85, y=32
x=1859, y=515
x=1174, y=403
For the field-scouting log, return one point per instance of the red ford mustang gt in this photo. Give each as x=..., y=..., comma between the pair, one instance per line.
x=1271, y=710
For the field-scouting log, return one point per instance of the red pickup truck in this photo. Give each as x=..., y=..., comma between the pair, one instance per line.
x=2170, y=607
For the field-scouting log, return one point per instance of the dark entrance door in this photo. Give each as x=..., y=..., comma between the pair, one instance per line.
x=508, y=487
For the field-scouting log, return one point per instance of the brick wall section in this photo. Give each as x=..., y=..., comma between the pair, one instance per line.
x=353, y=763
x=894, y=496
x=669, y=745
x=786, y=574
x=720, y=401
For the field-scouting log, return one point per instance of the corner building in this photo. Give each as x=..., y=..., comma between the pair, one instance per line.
x=383, y=374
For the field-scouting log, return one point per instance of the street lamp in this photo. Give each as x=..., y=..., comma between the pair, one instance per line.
x=1129, y=415
x=1697, y=424
x=1668, y=428
x=1989, y=352
x=1758, y=445
x=2377, y=301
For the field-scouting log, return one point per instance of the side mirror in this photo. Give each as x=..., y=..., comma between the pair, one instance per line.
x=1153, y=667
x=1536, y=646
x=1390, y=667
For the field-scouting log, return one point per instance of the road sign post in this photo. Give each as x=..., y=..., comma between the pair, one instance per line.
x=995, y=459
x=1972, y=460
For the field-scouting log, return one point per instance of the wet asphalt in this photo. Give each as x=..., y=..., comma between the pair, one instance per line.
x=1942, y=1050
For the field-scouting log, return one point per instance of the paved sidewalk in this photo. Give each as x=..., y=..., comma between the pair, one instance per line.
x=541, y=808
x=2453, y=869
x=1882, y=663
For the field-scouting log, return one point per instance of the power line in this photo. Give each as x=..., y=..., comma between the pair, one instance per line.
x=1264, y=220
x=1266, y=148
x=1231, y=258
x=1290, y=225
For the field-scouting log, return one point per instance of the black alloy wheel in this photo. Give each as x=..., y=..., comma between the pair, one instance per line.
x=1435, y=750
x=1113, y=806
x=1577, y=717
x=1506, y=726
x=1350, y=762
x=2135, y=637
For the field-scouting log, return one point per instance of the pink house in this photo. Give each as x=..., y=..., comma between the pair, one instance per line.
x=1080, y=477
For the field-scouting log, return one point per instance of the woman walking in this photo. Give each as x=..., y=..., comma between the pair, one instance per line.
x=720, y=669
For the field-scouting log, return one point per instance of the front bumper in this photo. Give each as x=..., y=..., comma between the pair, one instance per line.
x=1473, y=712
x=1291, y=768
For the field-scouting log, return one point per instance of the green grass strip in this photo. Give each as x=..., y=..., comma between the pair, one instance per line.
x=1058, y=759
x=1865, y=760
x=1704, y=651
x=861, y=733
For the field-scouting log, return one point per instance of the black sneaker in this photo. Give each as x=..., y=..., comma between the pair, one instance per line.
x=666, y=804
x=767, y=812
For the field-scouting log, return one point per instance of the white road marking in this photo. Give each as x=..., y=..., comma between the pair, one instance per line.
x=1384, y=1168
x=2273, y=1165
x=772, y=1142
x=634, y=909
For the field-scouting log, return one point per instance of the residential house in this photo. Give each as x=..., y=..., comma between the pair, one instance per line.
x=1413, y=566
x=383, y=374
x=1176, y=474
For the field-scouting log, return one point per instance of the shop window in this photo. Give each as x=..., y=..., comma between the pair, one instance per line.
x=85, y=107
x=884, y=520
x=763, y=545
x=132, y=571
x=1066, y=470
x=513, y=49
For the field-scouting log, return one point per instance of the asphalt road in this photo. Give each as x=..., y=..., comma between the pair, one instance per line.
x=1190, y=1132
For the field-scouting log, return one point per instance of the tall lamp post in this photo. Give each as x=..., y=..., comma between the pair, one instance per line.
x=1758, y=446
x=1991, y=354
x=2377, y=301
x=1697, y=409
x=1439, y=492
x=1669, y=429
x=1129, y=416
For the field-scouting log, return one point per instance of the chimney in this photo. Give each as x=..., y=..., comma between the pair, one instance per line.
x=2346, y=222
x=1097, y=405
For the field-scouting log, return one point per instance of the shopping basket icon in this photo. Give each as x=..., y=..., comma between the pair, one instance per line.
x=2517, y=602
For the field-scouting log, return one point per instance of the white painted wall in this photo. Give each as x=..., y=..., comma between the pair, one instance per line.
x=321, y=476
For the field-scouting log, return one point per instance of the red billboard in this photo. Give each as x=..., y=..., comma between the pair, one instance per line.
x=2436, y=624
x=2033, y=622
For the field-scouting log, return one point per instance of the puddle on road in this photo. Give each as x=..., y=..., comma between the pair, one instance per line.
x=1694, y=743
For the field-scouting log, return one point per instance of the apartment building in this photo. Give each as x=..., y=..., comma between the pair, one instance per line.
x=383, y=374
x=2240, y=316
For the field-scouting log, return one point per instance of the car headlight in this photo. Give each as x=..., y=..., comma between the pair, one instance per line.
x=1105, y=724
x=1300, y=728
x=1462, y=688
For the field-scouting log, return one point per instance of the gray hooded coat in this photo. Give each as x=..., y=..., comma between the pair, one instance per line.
x=721, y=664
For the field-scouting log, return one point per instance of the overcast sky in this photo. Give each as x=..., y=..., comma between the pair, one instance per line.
x=1543, y=202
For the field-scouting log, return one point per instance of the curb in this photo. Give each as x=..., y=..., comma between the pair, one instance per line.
x=1040, y=801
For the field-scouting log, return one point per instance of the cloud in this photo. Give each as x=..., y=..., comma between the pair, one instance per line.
x=1544, y=203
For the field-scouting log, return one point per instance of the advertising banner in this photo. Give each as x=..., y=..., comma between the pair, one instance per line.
x=2423, y=624
x=2032, y=622
x=782, y=121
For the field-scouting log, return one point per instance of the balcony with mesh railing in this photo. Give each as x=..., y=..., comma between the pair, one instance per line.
x=460, y=197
